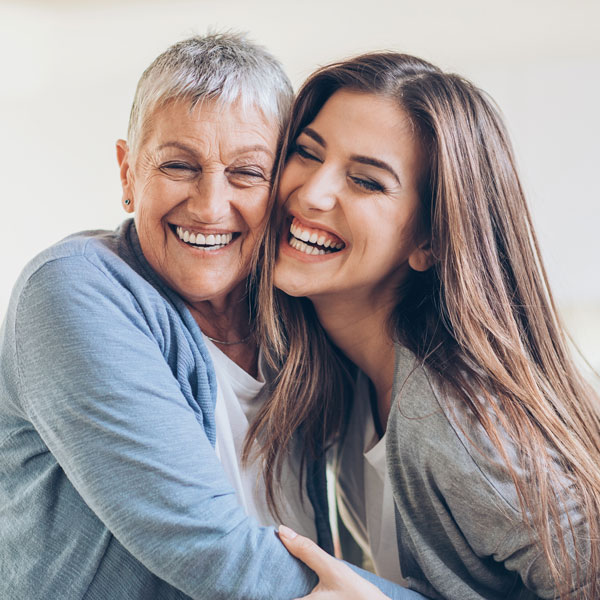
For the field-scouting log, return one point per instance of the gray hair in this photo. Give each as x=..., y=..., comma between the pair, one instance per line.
x=225, y=67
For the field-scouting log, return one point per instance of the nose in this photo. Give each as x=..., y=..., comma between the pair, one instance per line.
x=320, y=189
x=210, y=200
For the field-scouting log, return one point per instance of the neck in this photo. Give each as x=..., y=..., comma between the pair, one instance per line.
x=360, y=330
x=226, y=320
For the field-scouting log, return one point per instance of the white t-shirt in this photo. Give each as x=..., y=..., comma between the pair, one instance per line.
x=365, y=497
x=238, y=402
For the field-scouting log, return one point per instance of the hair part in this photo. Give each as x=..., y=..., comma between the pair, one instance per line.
x=482, y=319
x=223, y=67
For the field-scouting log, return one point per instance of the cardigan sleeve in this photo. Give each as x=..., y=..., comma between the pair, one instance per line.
x=96, y=386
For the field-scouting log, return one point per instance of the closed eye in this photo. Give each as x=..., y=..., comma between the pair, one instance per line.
x=176, y=166
x=248, y=173
x=303, y=152
x=246, y=176
x=367, y=184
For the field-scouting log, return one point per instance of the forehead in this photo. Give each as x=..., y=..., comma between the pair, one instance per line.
x=208, y=123
x=359, y=123
x=362, y=113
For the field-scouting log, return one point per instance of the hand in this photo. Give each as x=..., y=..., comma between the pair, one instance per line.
x=337, y=581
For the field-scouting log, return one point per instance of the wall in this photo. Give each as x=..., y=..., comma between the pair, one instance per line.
x=69, y=71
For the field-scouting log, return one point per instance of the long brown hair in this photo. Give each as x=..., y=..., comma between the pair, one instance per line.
x=482, y=318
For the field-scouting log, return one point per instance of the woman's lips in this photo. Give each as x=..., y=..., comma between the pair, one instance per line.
x=312, y=240
x=208, y=241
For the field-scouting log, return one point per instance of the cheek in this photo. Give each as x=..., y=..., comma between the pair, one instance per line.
x=254, y=209
x=291, y=178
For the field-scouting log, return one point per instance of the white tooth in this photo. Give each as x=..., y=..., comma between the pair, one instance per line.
x=321, y=251
x=186, y=236
x=200, y=239
x=315, y=250
x=229, y=237
x=339, y=246
x=210, y=239
x=327, y=243
x=193, y=238
x=292, y=228
x=179, y=232
x=304, y=236
x=321, y=240
x=313, y=238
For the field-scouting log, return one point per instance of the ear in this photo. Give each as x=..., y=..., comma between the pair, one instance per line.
x=123, y=158
x=421, y=258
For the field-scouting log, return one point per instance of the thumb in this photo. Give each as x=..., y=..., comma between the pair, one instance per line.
x=304, y=549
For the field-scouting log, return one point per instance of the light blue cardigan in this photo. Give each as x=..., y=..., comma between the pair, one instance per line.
x=109, y=485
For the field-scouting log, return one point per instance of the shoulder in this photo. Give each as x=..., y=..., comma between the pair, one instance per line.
x=85, y=249
x=107, y=265
x=90, y=283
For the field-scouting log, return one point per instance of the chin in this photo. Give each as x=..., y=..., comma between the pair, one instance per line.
x=291, y=288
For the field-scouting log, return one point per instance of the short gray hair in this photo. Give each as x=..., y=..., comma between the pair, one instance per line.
x=225, y=67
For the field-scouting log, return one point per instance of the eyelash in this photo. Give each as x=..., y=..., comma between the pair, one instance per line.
x=366, y=184
x=304, y=153
x=178, y=166
x=248, y=173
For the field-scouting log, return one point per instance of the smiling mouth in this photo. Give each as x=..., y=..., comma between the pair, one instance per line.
x=313, y=241
x=211, y=241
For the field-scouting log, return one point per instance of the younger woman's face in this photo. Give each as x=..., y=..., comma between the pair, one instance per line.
x=349, y=192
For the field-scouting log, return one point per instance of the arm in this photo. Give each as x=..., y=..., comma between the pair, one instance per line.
x=96, y=386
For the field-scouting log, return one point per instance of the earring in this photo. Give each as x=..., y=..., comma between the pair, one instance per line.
x=127, y=202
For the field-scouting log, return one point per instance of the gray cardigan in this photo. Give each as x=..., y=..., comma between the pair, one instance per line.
x=460, y=531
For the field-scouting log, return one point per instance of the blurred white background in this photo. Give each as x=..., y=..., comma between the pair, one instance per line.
x=69, y=71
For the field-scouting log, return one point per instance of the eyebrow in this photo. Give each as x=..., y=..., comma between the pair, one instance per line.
x=241, y=150
x=359, y=158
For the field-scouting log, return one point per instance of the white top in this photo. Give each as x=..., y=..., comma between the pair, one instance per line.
x=365, y=497
x=238, y=402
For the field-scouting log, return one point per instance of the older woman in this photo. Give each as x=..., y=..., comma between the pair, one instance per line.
x=111, y=486
x=129, y=370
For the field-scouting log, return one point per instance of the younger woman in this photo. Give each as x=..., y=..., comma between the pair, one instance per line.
x=468, y=455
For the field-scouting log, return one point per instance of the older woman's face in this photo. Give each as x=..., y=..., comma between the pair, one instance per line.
x=199, y=186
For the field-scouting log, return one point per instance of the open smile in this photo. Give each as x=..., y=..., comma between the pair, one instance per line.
x=312, y=240
x=205, y=241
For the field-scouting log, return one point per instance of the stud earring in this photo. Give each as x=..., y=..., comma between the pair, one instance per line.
x=127, y=202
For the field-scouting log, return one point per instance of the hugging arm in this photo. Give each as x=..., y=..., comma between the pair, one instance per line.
x=97, y=388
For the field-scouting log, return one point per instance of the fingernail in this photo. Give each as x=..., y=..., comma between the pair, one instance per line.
x=286, y=532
